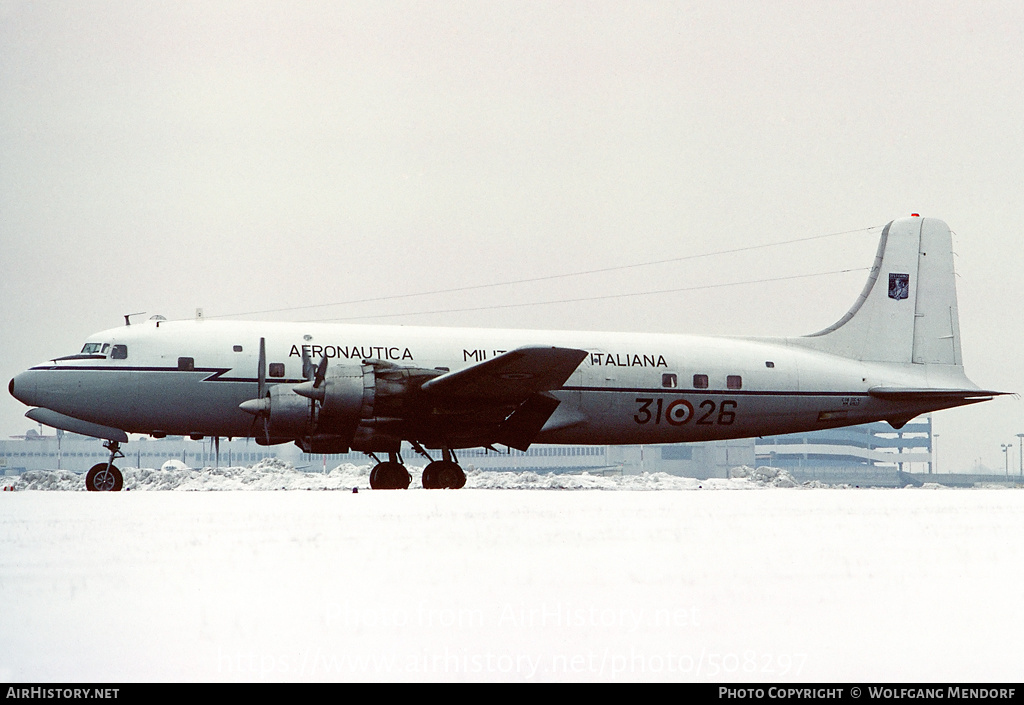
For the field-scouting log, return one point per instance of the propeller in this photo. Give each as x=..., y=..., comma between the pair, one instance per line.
x=261, y=371
x=311, y=388
x=321, y=372
x=307, y=365
x=316, y=376
x=260, y=406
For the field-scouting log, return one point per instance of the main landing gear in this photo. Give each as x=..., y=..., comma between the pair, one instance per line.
x=390, y=475
x=104, y=477
x=442, y=474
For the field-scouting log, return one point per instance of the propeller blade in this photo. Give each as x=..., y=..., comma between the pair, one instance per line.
x=252, y=426
x=263, y=410
x=216, y=445
x=261, y=370
x=307, y=365
x=321, y=372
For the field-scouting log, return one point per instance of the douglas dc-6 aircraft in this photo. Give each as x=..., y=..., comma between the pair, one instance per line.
x=331, y=387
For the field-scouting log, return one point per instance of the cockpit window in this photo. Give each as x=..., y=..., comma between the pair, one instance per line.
x=98, y=351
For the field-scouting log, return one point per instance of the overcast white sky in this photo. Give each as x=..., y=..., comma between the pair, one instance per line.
x=244, y=156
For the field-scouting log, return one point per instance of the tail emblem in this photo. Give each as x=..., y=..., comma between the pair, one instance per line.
x=899, y=286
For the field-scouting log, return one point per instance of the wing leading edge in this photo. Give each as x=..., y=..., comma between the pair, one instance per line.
x=514, y=375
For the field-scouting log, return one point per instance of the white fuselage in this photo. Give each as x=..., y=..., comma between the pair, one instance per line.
x=189, y=377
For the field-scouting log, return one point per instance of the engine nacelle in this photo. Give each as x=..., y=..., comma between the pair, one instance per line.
x=391, y=394
x=289, y=413
x=327, y=414
x=361, y=407
x=345, y=398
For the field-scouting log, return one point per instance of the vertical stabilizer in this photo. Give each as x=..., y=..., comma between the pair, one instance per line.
x=907, y=311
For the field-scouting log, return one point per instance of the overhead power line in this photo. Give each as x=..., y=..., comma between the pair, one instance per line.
x=590, y=298
x=549, y=277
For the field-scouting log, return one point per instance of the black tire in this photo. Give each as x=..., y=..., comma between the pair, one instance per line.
x=99, y=480
x=429, y=478
x=389, y=476
x=453, y=477
x=443, y=475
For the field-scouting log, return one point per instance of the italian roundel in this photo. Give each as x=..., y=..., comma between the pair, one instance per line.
x=678, y=412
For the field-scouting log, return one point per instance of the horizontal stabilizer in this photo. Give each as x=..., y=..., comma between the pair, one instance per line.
x=962, y=396
x=514, y=375
x=67, y=423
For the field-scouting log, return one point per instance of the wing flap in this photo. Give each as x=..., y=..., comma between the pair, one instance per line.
x=523, y=425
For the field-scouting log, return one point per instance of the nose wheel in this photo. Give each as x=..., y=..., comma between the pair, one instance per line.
x=104, y=477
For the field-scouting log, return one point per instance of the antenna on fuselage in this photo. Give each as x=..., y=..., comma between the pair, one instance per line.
x=128, y=316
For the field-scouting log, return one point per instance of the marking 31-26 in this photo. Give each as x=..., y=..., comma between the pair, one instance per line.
x=679, y=411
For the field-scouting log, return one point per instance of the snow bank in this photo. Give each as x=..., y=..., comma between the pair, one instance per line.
x=776, y=477
x=274, y=474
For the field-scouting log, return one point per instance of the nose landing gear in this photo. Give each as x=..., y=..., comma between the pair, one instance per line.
x=104, y=477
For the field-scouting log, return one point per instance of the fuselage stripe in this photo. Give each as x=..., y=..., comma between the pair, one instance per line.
x=216, y=374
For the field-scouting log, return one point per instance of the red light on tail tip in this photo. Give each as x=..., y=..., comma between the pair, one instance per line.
x=915, y=215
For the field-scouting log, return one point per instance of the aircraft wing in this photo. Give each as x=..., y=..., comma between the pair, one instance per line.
x=511, y=376
x=508, y=396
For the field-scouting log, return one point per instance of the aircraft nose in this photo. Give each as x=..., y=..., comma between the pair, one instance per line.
x=22, y=388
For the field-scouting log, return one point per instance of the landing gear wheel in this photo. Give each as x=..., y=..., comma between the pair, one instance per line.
x=442, y=475
x=429, y=477
x=104, y=478
x=389, y=476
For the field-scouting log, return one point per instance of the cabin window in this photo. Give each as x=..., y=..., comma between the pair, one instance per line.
x=734, y=382
x=669, y=381
x=769, y=363
x=276, y=369
x=186, y=364
x=700, y=381
x=119, y=352
x=237, y=348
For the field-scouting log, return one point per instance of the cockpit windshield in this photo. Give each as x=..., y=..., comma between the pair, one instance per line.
x=99, y=351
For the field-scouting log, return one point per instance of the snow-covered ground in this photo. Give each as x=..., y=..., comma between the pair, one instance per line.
x=273, y=474
x=770, y=584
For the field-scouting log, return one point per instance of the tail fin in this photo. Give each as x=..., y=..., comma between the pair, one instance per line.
x=907, y=311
